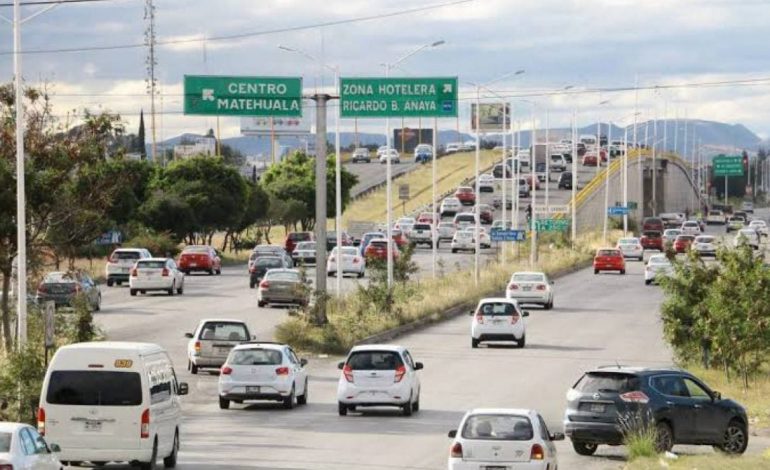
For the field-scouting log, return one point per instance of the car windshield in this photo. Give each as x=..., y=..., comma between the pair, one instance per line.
x=607, y=382
x=383, y=244
x=346, y=250
x=652, y=234
x=672, y=233
x=151, y=264
x=497, y=309
x=691, y=224
x=528, y=277
x=498, y=428
x=125, y=255
x=224, y=331
x=422, y=227
x=94, y=388
x=608, y=253
x=299, y=236
x=705, y=239
x=659, y=259
x=255, y=357
x=465, y=218
x=58, y=277
x=269, y=262
x=685, y=238
x=288, y=276
x=196, y=249
x=464, y=234
x=628, y=241
x=305, y=246
x=5, y=442
x=374, y=360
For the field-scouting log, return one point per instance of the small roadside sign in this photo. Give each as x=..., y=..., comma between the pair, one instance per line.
x=561, y=209
x=50, y=326
x=633, y=205
x=552, y=225
x=617, y=210
x=508, y=235
x=727, y=165
x=403, y=192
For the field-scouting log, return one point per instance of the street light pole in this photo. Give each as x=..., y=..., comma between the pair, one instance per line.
x=477, y=228
x=338, y=188
x=21, y=216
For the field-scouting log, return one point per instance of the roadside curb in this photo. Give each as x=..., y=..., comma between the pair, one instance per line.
x=450, y=313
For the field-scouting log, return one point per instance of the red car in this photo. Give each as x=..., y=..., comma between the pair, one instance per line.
x=682, y=243
x=399, y=238
x=609, y=259
x=292, y=238
x=534, y=182
x=485, y=213
x=378, y=249
x=653, y=224
x=200, y=258
x=589, y=159
x=652, y=240
x=466, y=195
x=428, y=218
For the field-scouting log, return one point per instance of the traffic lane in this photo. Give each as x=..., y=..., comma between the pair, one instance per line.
x=598, y=319
x=370, y=174
x=162, y=319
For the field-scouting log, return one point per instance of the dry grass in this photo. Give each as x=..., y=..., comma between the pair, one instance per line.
x=451, y=171
x=703, y=462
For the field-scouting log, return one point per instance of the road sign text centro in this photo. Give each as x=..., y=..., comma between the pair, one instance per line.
x=397, y=97
x=242, y=96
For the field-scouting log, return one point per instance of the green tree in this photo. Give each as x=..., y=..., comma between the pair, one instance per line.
x=257, y=206
x=139, y=143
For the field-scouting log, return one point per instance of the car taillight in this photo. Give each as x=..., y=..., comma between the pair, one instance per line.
x=226, y=370
x=541, y=287
x=6, y=466
x=144, y=430
x=264, y=285
x=113, y=258
x=400, y=372
x=456, y=451
x=479, y=317
x=331, y=258
x=356, y=260
x=347, y=371
x=76, y=288
x=134, y=272
x=41, y=288
x=282, y=371
x=197, y=346
x=636, y=396
x=537, y=452
x=513, y=287
x=40, y=422
x=165, y=272
x=514, y=319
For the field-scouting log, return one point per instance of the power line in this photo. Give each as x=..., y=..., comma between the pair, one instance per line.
x=53, y=2
x=231, y=37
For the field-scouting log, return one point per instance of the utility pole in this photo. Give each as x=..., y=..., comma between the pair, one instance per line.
x=151, y=62
x=321, y=100
x=21, y=215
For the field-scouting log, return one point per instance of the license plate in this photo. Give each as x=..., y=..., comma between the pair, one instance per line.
x=93, y=426
x=526, y=288
x=597, y=408
x=252, y=389
x=124, y=270
x=223, y=350
x=194, y=265
x=494, y=467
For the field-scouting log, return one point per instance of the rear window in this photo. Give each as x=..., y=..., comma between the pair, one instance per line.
x=608, y=382
x=528, y=278
x=685, y=238
x=59, y=277
x=269, y=262
x=283, y=276
x=652, y=234
x=125, y=255
x=5, y=442
x=224, y=331
x=256, y=357
x=422, y=227
x=628, y=241
x=375, y=360
x=94, y=388
x=652, y=221
x=305, y=246
x=196, y=249
x=379, y=243
x=497, y=309
x=464, y=190
x=301, y=236
x=659, y=259
x=465, y=218
x=151, y=264
x=498, y=428
x=608, y=253
x=705, y=239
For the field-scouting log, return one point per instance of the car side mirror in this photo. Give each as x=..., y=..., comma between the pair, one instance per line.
x=471, y=312
x=303, y=362
x=54, y=448
x=717, y=396
x=253, y=336
x=418, y=366
x=525, y=313
x=452, y=433
x=184, y=389
x=557, y=436
x=553, y=282
x=188, y=335
x=341, y=365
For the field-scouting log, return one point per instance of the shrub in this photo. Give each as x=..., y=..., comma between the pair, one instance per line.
x=639, y=434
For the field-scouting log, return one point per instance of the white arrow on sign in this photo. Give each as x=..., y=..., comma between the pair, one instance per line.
x=447, y=88
x=207, y=94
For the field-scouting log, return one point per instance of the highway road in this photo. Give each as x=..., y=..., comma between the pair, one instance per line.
x=370, y=174
x=597, y=320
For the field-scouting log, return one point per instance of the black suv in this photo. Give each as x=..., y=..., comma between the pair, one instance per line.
x=565, y=180
x=683, y=408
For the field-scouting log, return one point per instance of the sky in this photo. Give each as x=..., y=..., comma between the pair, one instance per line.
x=587, y=45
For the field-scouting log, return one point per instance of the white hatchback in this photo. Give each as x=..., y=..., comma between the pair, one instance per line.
x=705, y=245
x=510, y=439
x=657, y=265
x=22, y=448
x=530, y=288
x=450, y=206
x=760, y=226
x=749, y=235
x=263, y=371
x=691, y=227
x=379, y=375
x=352, y=262
x=631, y=248
x=156, y=274
x=498, y=319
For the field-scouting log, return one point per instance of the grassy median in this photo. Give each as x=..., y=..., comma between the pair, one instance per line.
x=703, y=462
x=355, y=317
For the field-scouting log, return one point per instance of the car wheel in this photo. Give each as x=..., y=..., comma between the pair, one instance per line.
x=211, y=272
x=407, y=409
x=193, y=368
x=153, y=458
x=474, y=343
x=342, y=409
x=547, y=305
x=584, y=448
x=261, y=303
x=98, y=306
x=252, y=284
x=665, y=440
x=361, y=274
x=647, y=282
x=170, y=461
x=143, y=292
x=110, y=282
x=622, y=271
x=224, y=403
x=180, y=290
x=291, y=401
x=416, y=404
x=173, y=288
x=454, y=251
x=120, y=283
x=219, y=272
x=302, y=399
x=596, y=271
x=735, y=438
x=132, y=292
x=522, y=342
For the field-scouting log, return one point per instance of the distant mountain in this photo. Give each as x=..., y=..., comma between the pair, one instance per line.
x=711, y=134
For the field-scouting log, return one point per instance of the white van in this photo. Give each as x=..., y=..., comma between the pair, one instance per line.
x=108, y=402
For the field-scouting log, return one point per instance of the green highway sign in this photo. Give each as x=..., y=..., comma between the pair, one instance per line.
x=242, y=96
x=398, y=97
x=725, y=165
x=552, y=225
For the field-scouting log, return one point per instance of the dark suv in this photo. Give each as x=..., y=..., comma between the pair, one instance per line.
x=683, y=409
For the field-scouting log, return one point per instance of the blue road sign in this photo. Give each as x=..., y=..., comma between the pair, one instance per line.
x=617, y=210
x=508, y=235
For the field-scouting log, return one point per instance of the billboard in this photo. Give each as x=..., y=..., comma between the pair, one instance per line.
x=491, y=117
x=405, y=140
x=262, y=126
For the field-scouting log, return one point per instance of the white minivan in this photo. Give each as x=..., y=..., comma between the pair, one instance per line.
x=106, y=402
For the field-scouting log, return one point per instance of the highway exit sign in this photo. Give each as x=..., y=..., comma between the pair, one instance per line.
x=552, y=225
x=398, y=97
x=206, y=95
x=725, y=165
